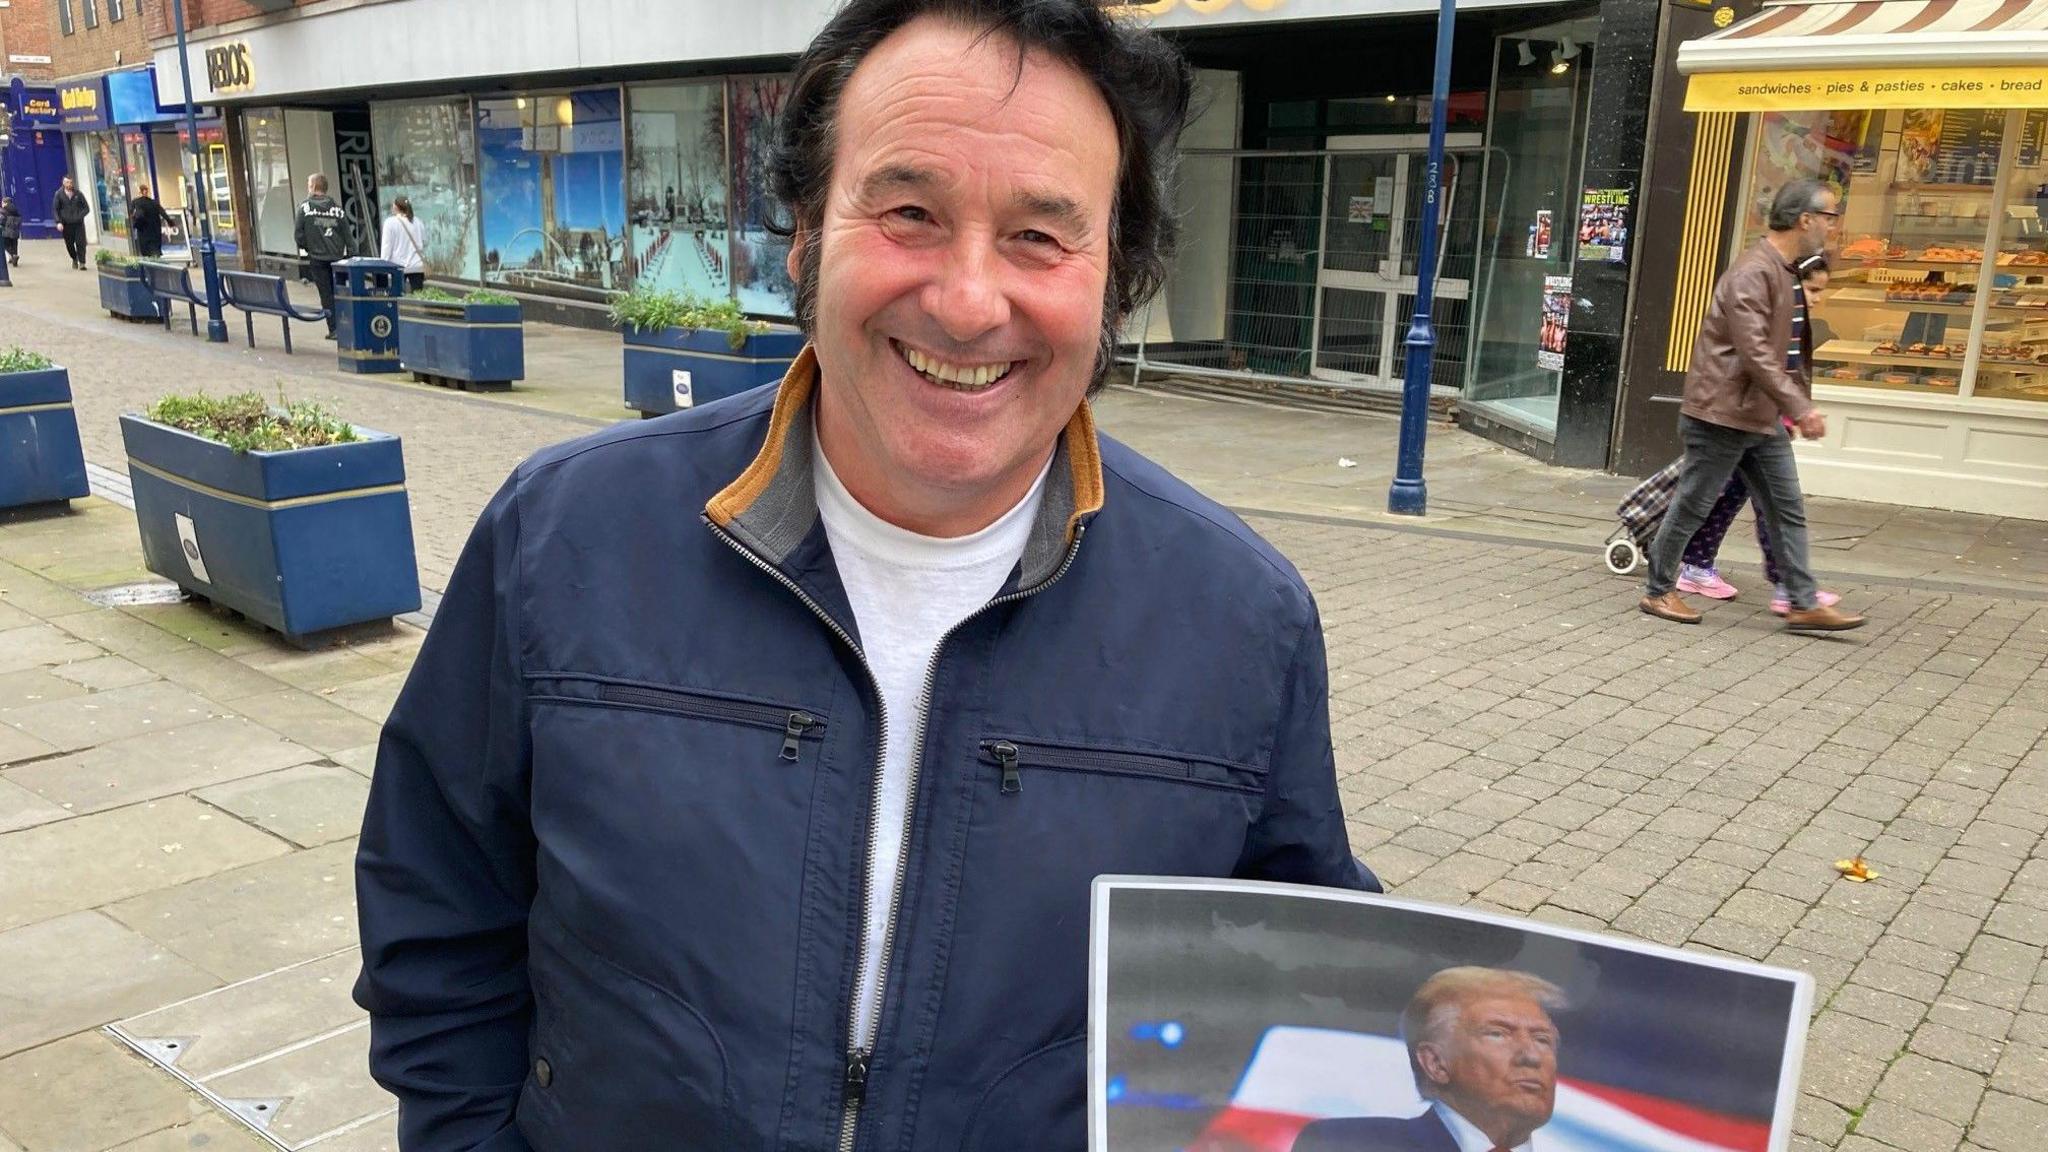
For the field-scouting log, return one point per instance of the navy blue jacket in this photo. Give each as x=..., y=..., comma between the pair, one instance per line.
x=610, y=877
x=1424, y=1133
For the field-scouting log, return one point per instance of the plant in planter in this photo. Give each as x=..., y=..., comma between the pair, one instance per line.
x=122, y=289
x=40, y=458
x=476, y=341
x=681, y=351
x=289, y=515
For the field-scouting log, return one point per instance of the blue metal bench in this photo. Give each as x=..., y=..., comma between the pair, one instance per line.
x=168, y=282
x=255, y=292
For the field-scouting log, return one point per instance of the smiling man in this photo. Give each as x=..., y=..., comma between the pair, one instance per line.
x=749, y=787
x=1483, y=1050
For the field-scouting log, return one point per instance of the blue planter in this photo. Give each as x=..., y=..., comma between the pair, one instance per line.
x=683, y=367
x=479, y=346
x=40, y=460
x=303, y=541
x=123, y=293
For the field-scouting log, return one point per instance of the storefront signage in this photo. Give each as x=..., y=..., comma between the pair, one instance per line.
x=38, y=111
x=228, y=68
x=1603, y=224
x=26, y=58
x=131, y=98
x=82, y=107
x=1811, y=89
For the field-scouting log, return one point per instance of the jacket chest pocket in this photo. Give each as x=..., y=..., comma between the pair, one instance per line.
x=691, y=803
x=1015, y=759
x=1065, y=807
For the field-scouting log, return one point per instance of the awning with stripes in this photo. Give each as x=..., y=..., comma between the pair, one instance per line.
x=1846, y=54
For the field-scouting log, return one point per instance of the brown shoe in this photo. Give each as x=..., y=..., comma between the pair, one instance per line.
x=1669, y=606
x=1827, y=618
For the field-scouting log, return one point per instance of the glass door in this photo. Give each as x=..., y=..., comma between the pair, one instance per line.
x=1372, y=228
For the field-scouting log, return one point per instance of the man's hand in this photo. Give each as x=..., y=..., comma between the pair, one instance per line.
x=1813, y=425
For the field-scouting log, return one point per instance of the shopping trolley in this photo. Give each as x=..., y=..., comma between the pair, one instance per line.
x=1641, y=513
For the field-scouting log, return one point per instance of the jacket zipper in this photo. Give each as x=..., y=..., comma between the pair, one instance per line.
x=794, y=723
x=1009, y=757
x=859, y=1056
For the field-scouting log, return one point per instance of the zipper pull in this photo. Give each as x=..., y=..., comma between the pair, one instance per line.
x=856, y=1076
x=1006, y=759
x=799, y=723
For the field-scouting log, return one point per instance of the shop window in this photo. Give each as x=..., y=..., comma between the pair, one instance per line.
x=92, y=12
x=426, y=152
x=1939, y=281
x=676, y=193
x=760, y=258
x=109, y=182
x=270, y=180
x=552, y=182
x=1523, y=271
x=64, y=17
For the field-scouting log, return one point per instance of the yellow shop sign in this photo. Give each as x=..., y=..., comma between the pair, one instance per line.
x=1833, y=89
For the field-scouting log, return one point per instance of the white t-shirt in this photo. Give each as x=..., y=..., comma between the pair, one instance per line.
x=907, y=592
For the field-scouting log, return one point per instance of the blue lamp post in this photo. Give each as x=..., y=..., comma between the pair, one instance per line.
x=1409, y=496
x=216, y=326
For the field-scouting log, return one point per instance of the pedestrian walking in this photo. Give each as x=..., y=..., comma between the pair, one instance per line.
x=1698, y=571
x=802, y=859
x=324, y=234
x=405, y=243
x=10, y=230
x=70, y=208
x=146, y=223
x=1749, y=387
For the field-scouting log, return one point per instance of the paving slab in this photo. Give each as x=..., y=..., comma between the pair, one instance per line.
x=88, y=861
x=379, y=1134
x=310, y=1092
x=228, y=1027
x=41, y=645
x=310, y=720
x=309, y=805
x=21, y=808
x=104, y=673
x=212, y=1132
x=254, y=919
x=159, y=764
x=101, y=717
x=80, y=971
x=86, y=1093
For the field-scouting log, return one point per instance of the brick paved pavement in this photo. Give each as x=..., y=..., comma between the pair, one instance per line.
x=178, y=792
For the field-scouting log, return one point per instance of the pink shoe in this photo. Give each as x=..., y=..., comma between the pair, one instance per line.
x=1782, y=605
x=1704, y=582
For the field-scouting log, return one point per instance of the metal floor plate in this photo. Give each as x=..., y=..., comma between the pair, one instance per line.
x=284, y=1053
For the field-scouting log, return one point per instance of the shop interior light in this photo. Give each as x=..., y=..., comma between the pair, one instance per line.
x=565, y=113
x=519, y=102
x=1524, y=53
x=1390, y=97
x=1558, y=65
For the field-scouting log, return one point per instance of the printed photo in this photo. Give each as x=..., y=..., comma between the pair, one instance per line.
x=1231, y=1016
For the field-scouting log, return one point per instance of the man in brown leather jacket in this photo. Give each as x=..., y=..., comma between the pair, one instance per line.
x=1749, y=387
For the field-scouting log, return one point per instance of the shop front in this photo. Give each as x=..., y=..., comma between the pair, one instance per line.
x=31, y=155
x=97, y=162
x=1930, y=120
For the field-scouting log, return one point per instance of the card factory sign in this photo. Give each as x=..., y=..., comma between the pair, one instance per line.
x=228, y=69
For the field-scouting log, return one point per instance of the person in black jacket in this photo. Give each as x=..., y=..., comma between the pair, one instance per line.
x=71, y=209
x=324, y=234
x=146, y=223
x=10, y=230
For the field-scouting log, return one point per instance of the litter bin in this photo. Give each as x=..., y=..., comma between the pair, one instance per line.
x=366, y=314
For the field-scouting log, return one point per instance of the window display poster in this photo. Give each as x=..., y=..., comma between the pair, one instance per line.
x=1359, y=210
x=1538, y=247
x=1603, y=224
x=1557, y=312
x=1796, y=144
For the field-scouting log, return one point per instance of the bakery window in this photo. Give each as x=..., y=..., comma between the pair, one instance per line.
x=1939, y=269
